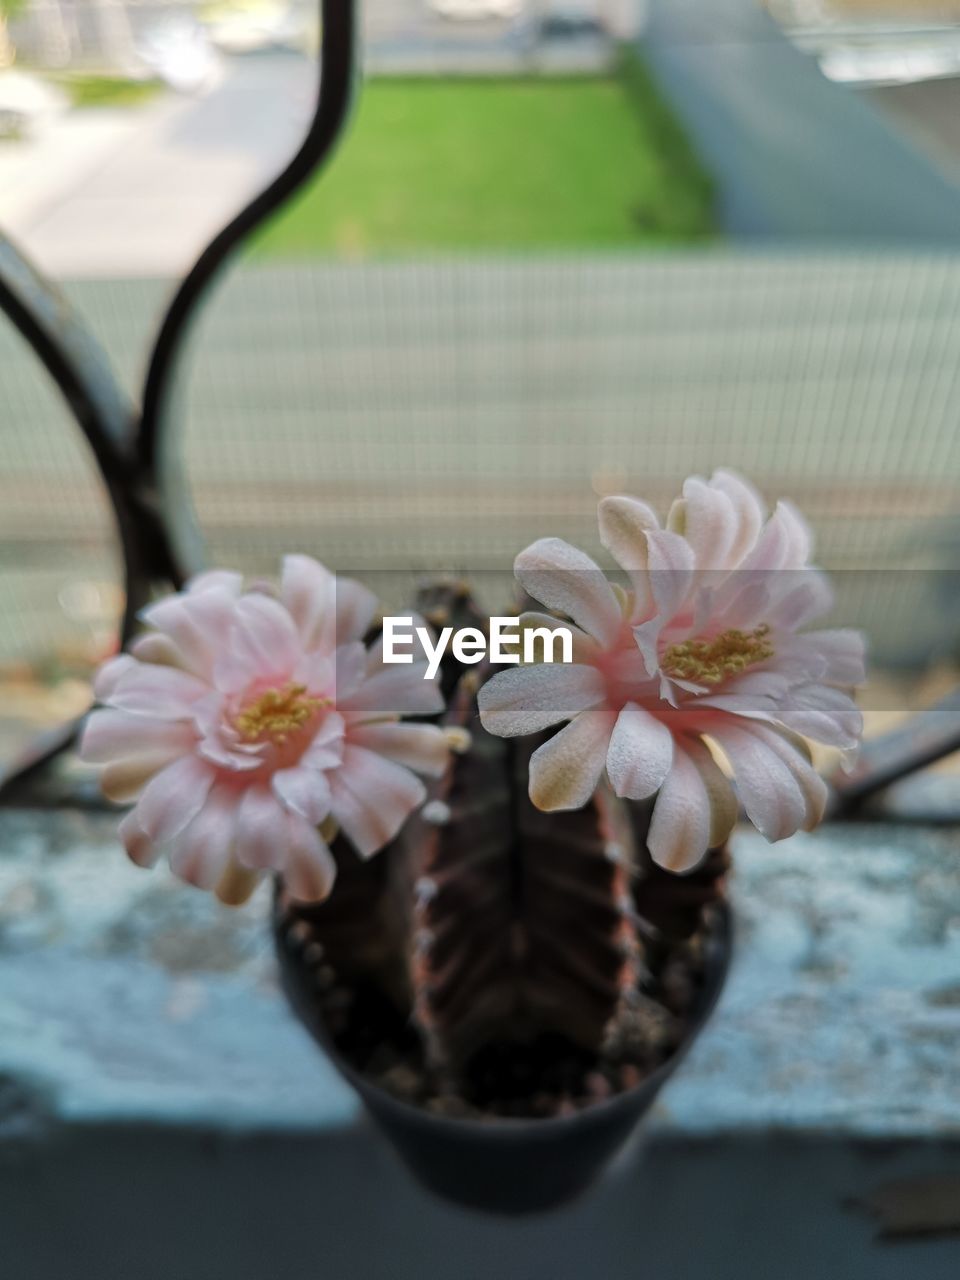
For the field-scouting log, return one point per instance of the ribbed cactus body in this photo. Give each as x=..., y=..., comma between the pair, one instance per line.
x=522, y=919
x=489, y=925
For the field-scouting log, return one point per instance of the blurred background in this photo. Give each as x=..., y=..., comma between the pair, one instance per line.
x=567, y=248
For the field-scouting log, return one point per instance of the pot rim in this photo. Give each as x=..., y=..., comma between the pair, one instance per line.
x=508, y=1128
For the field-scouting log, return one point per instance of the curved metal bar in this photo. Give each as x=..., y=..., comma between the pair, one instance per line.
x=109, y=421
x=338, y=27
x=78, y=365
x=154, y=519
x=73, y=358
x=926, y=738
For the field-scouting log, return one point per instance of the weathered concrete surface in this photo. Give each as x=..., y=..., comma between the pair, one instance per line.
x=125, y=993
x=160, y=1112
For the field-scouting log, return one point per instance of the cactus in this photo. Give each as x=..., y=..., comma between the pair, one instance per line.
x=530, y=937
x=512, y=959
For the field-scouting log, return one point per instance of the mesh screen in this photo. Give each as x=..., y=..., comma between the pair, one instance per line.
x=402, y=418
x=405, y=416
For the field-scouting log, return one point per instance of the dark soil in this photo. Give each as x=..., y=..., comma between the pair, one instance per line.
x=543, y=1076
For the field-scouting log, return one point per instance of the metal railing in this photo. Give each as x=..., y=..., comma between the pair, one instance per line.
x=134, y=444
x=138, y=453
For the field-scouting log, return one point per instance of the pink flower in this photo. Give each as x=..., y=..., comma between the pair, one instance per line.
x=704, y=648
x=245, y=722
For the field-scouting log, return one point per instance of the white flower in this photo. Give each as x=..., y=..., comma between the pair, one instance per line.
x=704, y=648
x=243, y=723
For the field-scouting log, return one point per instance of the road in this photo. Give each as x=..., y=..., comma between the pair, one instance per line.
x=796, y=157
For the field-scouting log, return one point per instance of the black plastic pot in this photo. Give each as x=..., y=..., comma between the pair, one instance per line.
x=512, y=1166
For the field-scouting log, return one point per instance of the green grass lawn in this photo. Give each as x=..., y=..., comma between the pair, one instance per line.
x=107, y=91
x=520, y=163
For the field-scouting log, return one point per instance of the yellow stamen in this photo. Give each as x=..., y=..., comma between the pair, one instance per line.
x=711, y=661
x=278, y=712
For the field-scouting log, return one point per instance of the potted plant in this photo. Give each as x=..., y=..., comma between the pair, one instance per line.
x=508, y=959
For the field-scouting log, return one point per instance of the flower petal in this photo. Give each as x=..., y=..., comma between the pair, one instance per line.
x=350, y=661
x=724, y=809
x=157, y=648
x=421, y=747
x=671, y=569
x=799, y=536
x=216, y=748
x=263, y=636
x=222, y=579
x=317, y=669
x=640, y=753
x=759, y=695
x=525, y=700
x=303, y=790
x=749, y=508
x=824, y=714
x=140, y=849
x=164, y=693
x=111, y=673
x=307, y=592
x=259, y=841
x=710, y=524
x=743, y=600
x=780, y=790
x=679, y=832
x=843, y=652
x=804, y=595
x=201, y=853
x=392, y=691
x=569, y=582
x=624, y=523
x=309, y=869
x=372, y=798
x=110, y=735
x=195, y=623
x=784, y=543
x=356, y=608
x=326, y=749
x=795, y=754
x=565, y=772
x=173, y=798
x=647, y=637
x=236, y=884
x=122, y=780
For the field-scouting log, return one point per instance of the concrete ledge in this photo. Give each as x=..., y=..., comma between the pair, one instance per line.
x=161, y=1113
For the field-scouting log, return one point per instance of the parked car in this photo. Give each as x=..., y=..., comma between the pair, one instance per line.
x=872, y=44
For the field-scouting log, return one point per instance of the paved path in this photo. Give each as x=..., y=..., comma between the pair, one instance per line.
x=795, y=156
x=110, y=193
x=107, y=194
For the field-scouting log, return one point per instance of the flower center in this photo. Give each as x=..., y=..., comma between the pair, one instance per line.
x=276, y=713
x=711, y=661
